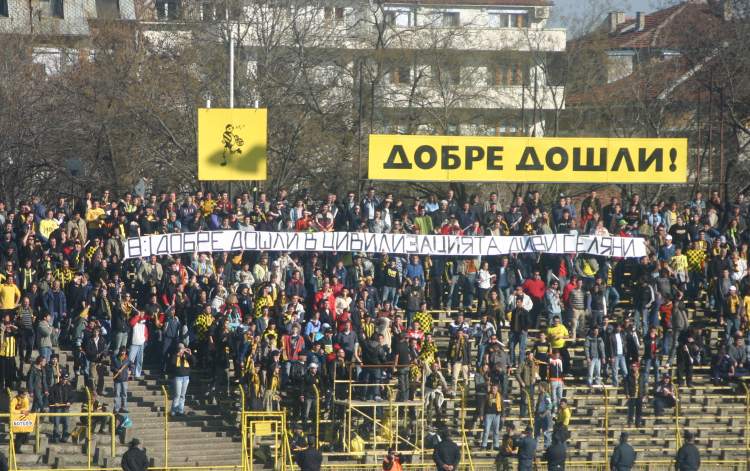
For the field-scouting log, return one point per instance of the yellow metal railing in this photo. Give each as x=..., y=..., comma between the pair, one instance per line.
x=464, y=440
x=317, y=416
x=747, y=420
x=89, y=415
x=606, y=427
x=678, y=435
x=166, y=425
x=243, y=431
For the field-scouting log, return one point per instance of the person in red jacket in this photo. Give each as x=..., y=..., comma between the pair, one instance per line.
x=535, y=288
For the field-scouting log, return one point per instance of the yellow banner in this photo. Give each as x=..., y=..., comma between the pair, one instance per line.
x=232, y=144
x=23, y=423
x=527, y=159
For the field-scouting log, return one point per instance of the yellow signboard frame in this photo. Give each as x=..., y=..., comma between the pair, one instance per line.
x=527, y=159
x=232, y=144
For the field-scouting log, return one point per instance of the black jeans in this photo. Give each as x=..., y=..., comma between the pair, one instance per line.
x=635, y=409
x=25, y=345
x=403, y=384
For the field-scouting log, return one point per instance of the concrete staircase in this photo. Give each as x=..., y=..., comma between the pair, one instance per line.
x=207, y=435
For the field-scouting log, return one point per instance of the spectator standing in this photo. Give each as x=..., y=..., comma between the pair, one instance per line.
x=121, y=368
x=60, y=399
x=624, y=456
x=594, y=350
x=519, y=331
x=447, y=455
x=527, y=375
x=635, y=390
x=135, y=459
x=526, y=450
x=493, y=413
x=183, y=360
x=556, y=454
x=138, y=341
x=688, y=457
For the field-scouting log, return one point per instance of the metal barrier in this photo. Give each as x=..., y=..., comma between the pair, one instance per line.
x=464, y=441
x=606, y=428
x=166, y=425
x=356, y=408
x=678, y=435
x=747, y=420
x=317, y=416
x=89, y=415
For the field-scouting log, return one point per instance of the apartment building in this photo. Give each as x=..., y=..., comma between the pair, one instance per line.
x=440, y=66
x=470, y=67
x=57, y=29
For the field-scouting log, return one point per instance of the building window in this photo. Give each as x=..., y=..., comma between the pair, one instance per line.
x=400, y=18
x=502, y=128
x=400, y=75
x=502, y=19
x=208, y=12
x=505, y=75
x=58, y=9
x=449, y=74
x=4, y=8
x=167, y=10
x=451, y=19
x=334, y=15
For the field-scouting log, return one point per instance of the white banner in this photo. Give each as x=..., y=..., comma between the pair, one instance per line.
x=411, y=244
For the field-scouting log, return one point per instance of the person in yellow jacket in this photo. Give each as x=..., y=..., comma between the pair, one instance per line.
x=10, y=295
x=557, y=334
x=20, y=405
x=95, y=217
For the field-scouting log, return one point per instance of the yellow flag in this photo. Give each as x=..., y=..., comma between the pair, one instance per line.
x=232, y=144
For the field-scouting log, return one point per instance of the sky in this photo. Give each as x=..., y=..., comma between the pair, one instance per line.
x=564, y=11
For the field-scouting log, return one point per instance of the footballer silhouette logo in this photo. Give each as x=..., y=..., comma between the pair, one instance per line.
x=232, y=141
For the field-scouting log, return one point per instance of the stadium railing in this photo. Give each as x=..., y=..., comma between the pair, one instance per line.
x=88, y=415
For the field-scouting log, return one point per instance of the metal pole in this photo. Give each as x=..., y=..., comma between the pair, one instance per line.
x=722, y=162
x=231, y=60
x=606, y=429
x=88, y=431
x=243, y=431
x=360, y=114
x=166, y=427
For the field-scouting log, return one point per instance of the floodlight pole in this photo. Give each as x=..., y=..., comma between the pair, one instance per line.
x=231, y=76
x=231, y=61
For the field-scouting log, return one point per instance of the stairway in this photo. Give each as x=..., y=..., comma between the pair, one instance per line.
x=207, y=435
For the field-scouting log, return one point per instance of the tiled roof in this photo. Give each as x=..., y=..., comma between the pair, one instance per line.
x=664, y=29
x=646, y=84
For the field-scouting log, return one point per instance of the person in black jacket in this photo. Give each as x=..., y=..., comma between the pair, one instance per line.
x=96, y=350
x=135, y=459
x=635, y=390
x=623, y=457
x=688, y=458
x=555, y=454
x=309, y=458
x=526, y=445
x=447, y=455
x=308, y=397
x=60, y=398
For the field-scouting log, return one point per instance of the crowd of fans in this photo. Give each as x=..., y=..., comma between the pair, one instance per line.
x=285, y=325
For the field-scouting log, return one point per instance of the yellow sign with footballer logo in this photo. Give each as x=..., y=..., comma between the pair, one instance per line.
x=232, y=144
